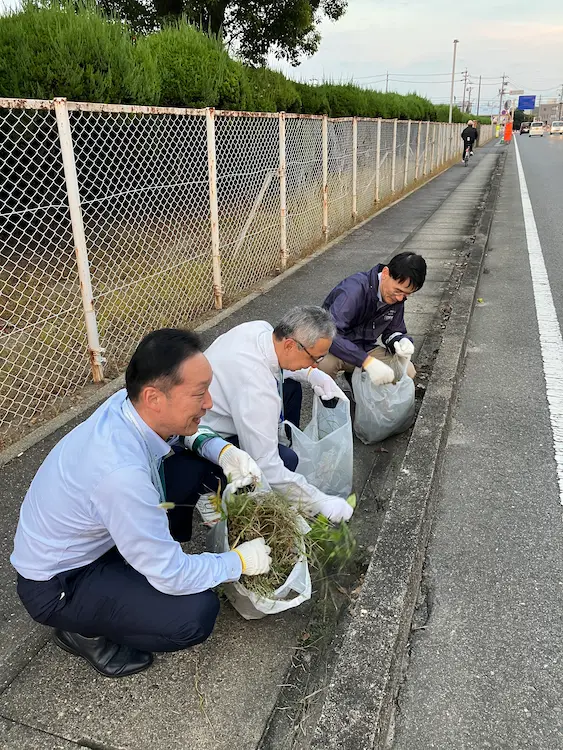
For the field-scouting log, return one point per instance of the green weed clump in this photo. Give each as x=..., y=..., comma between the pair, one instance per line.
x=267, y=514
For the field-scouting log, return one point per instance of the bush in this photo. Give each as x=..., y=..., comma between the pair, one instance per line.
x=272, y=91
x=314, y=100
x=192, y=66
x=54, y=50
x=347, y=100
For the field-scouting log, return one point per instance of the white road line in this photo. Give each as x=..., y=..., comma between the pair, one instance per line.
x=551, y=341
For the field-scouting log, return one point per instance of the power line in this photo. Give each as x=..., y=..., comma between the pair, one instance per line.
x=412, y=75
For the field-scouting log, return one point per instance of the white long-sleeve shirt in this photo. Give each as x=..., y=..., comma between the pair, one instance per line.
x=246, y=388
x=95, y=490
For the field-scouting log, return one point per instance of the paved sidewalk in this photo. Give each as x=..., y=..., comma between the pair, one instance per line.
x=223, y=692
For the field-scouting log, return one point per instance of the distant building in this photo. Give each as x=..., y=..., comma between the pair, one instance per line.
x=549, y=111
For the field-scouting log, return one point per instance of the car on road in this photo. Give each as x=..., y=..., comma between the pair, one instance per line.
x=524, y=128
x=536, y=128
x=556, y=128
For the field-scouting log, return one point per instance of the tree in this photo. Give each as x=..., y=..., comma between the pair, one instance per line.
x=288, y=28
x=252, y=28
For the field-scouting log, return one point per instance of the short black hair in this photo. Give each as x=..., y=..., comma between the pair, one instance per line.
x=408, y=267
x=157, y=359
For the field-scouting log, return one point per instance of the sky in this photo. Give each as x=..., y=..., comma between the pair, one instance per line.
x=413, y=41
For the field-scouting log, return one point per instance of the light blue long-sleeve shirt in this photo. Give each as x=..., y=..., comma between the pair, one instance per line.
x=94, y=490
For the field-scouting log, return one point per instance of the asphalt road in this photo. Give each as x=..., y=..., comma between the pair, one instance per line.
x=486, y=659
x=542, y=159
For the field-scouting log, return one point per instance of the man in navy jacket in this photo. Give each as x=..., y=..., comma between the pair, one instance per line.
x=369, y=305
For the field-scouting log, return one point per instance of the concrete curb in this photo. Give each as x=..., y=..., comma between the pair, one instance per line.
x=20, y=446
x=360, y=697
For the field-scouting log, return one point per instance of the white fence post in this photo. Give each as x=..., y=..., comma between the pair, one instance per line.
x=283, y=195
x=325, y=177
x=426, y=141
x=354, y=168
x=73, y=194
x=407, y=154
x=394, y=157
x=417, y=163
x=444, y=143
x=378, y=160
x=214, y=208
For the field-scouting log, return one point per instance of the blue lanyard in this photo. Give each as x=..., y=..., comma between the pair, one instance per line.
x=280, y=391
x=157, y=469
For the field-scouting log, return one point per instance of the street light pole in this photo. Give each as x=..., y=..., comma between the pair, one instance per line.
x=456, y=42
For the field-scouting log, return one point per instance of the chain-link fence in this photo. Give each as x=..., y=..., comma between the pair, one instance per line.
x=116, y=220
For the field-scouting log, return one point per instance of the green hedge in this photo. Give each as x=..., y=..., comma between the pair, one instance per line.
x=71, y=50
x=48, y=52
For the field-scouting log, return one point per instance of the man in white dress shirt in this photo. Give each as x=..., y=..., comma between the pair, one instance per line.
x=257, y=375
x=96, y=556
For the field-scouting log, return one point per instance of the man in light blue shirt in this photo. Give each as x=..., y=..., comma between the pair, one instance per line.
x=96, y=556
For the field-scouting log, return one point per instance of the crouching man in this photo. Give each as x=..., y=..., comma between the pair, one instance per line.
x=96, y=556
x=368, y=306
x=258, y=372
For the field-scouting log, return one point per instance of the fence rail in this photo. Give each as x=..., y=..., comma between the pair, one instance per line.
x=115, y=220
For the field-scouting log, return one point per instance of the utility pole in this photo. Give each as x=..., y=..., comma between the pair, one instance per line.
x=456, y=42
x=560, y=102
x=469, y=100
x=465, y=77
x=504, y=77
x=479, y=96
x=387, y=83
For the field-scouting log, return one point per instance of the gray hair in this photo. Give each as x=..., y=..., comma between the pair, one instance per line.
x=307, y=324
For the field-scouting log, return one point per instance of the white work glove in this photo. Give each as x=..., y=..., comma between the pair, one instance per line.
x=335, y=508
x=378, y=371
x=324, y=386
x=404, y=348
x=207, y=510
x=255, y=557
x=239, y=468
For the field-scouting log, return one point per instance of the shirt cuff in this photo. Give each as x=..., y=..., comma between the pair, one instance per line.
x=199, y=443
x=212, y=448
x=233, y=565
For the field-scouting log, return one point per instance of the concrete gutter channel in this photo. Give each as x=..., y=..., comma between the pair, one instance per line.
x=339, y=693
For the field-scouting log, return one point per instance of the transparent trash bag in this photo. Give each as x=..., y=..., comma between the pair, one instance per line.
x=382, y=410
x=325, y=448
x=294, y=591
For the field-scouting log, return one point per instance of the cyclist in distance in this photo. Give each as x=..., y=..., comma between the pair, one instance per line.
x=468, y=136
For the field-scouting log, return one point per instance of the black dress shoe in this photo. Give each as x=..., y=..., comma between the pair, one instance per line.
x=106, y=657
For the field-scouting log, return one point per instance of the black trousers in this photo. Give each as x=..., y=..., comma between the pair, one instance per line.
x=108, y=597
x=471, y=145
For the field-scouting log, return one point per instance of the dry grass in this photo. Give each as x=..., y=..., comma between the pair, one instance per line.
x=267, y=515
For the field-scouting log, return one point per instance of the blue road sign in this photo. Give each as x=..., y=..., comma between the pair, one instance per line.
x=526, y=102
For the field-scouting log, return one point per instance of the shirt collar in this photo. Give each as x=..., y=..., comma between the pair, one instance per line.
x=379, y=297
x=156, y=445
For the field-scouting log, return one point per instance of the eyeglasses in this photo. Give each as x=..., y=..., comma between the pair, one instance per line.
x=316, y=360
